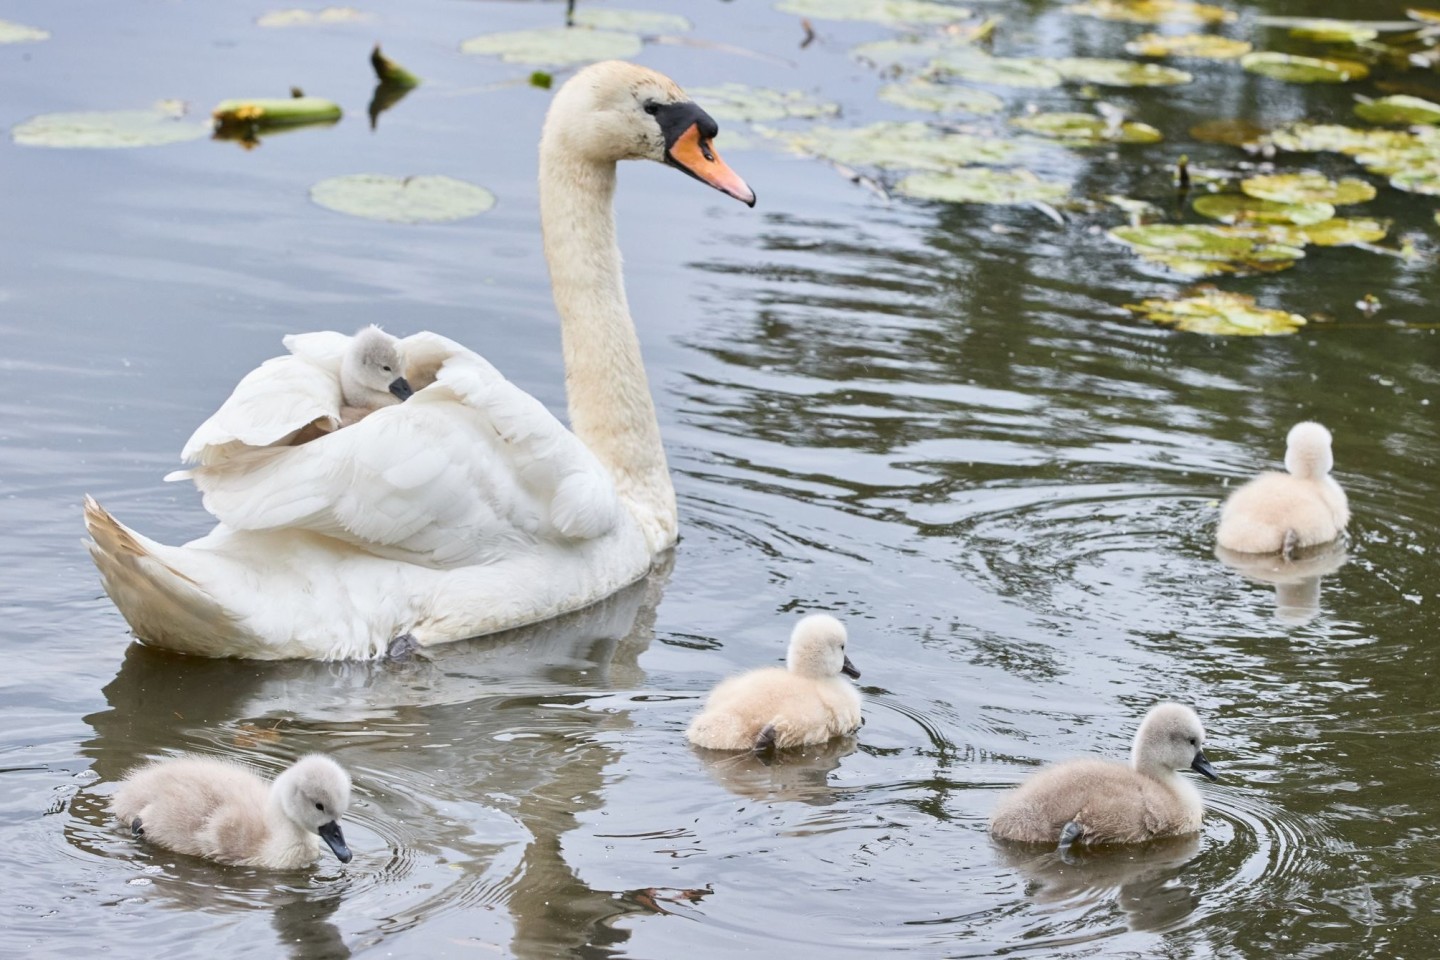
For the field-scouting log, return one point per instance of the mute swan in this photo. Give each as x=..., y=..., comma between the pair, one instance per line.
x=1104, y=801
x=223, y=811
x=775, y=708
x=1283, y=512
x=467, y=509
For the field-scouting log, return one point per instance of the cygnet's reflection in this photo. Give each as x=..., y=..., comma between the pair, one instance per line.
x=1142, y=879
x=1296, y=580
x=801, y=774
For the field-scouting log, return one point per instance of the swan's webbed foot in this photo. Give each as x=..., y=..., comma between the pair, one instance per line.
x=136, y=830
x=402, y=648
x=764, y=745
x=1069, y=833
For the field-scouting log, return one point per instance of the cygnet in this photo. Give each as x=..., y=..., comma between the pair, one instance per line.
x=1104, y=801
x=774, y=708
x=1284, y=512
x=372, y=375
x=223, y=811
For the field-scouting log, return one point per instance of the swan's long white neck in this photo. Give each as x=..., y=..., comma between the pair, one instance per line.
x=609, y=396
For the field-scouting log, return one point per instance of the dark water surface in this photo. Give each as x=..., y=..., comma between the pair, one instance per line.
x=934, y=421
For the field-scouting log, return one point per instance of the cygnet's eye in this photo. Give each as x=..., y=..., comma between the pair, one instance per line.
x=1194, y=742
x=320, y=806
x=386, y=369
x=651, y=107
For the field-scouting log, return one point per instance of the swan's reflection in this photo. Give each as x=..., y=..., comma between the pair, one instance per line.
x=1297, y=580
x=801, y=774
x=1143, y=879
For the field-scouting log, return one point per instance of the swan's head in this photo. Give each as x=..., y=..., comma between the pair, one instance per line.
x=1171, y=738
x=614, y=111
x=817, y=648
x=314, y=794
x=372, y=371
x=1307, y=450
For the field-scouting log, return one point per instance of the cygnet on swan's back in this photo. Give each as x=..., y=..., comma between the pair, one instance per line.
x=372, y=375
x=1284, y=512
x=1105, y=801
x=224, y=811
x=775, y=708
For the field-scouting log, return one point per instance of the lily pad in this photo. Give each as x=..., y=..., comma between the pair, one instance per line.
x=1219, y=313
x=912, y=51
x=899, y=146
x=1119, y=73
x=940, y=98
x=738, y=102
x=19, y=33
x=633, y=21
x=1295, y=69
x=1335, y=138
x=423, y=199
x=979, y=185
x=1334, y=31
x=1399, y=109
x=1204, y=46
x=1236, y=132
x=311, y=18
x=555, y=45
x=875, y=11
x=1084, y=129
x=1345, y=231
x=1205, y=242
x=1308, y=187
x=108, y=129
x=1152, y=11
x=1425, y=181
x=1029, y=73
x=1196, y=269
x=278, y=112
x=1239, y=208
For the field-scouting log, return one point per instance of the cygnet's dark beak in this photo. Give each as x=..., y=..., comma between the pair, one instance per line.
x=1202, y=766
x=401, y=388
x=335, y=840
x=849, y=669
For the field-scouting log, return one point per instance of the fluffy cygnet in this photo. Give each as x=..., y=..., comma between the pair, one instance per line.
x=1283, y=512
x=1105, y=801
x=223, y=811
x=775, y=708
x=372, y=375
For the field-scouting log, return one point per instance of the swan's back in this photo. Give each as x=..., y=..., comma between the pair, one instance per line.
x=1111, y=802
x=802, y=710
x=1283, y=512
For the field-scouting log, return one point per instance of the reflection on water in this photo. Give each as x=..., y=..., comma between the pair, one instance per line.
x=1296, y=579
x=801, y=774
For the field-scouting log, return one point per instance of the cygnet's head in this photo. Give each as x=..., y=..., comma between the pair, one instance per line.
x=612, y=111
x=1307, y=451
x=372, y=371
x=315, y=793
x=1171, y=738
x=817, y=648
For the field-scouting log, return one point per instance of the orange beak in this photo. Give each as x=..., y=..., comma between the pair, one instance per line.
x=696, y=156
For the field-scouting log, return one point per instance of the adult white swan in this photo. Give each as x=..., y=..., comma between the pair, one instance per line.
x=466, y=509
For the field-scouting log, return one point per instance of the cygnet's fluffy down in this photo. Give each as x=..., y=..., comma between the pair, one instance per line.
x=1284, y=512
x=1104, y=801
x=775, y=708
x=372, y=375
x=224, y=811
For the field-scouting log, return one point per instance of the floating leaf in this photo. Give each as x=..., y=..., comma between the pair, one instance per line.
x=979, y=185
x=1084, y=129
x=108, y=129
x=1424, y=16
x=738, y=102
x=1334, y=138
x=632, y=21
x=541, y=79
x=555, y=45
x=1152, y=11
x=901, y=146
x=1345, y=231
x=910, y=51
x=1236, y=133
x=1205, y=46
x=875, y=11
x=424, y=199
x=1219, y=313
x=1295, y=69
x=277, y=112
x=1334, y=31
x=388, y=71
x=1025, y=72
x=1199, y=269
x=1308, y=187
x=1119, y=73
x=1399, y=109
x=1426, y=181
x=19, y=33
x=1239, y=208
x=942, y=98
x=310, y=18
x=1205, y=242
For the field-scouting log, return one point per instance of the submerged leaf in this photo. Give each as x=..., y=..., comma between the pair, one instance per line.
x=738, y=102
x=1084, y=129
x=1152, y=11
x=1119, y=73
x=1204, y=46
x=1218, y=312
x=1239, y=208
x=899, y=146
x=919, y=94
x=876, y=11
x=1025, y=72
x=1334, y=31
x=979, y=185
x=19, y=33
x=633, y=21
x=308, y=18
x=1399, y=109
x=107, y=129
x=1295, y=69
x=1308, y=187
x=424, y=199
x=1236, y=133
x=555, y=45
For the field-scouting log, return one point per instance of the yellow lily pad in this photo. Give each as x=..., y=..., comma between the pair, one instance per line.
x=19, y=33
x=1308, y=187
x=1335, y=138
x=1334, y=31
x=555, y=45
x=1234, y=132
x=1424, y=16
x=632, y=21
x=1425, y=181
x=1345, y=231
x=1152, y=11
x=1204, y=46
x=1239, y=208
x=942, y=98
x=109, y=129
x=1198, y=241
x=898, y=146
x=1118, y=73
x=311, y=18
x=979, y=185
x=1196, y=269
x=741, y=103
x=1029, y=73
x=422, y=199
x=1399, y=109
x=875, y=11
x=1084, y=129
x=1296, y=69
x=1219, y=313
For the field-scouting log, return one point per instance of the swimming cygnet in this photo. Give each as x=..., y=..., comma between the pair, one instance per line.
x=372, y=375
x=1283, y=512
x=1105, y=801
x=775, y=708
x=223, y=811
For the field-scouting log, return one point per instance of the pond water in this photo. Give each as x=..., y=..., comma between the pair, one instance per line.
x=935, y=421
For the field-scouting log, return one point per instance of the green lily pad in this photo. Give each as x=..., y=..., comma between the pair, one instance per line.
x=1204, y=46
x=1196, y=269
x=875, y=11
x=1219, y=313
x=19, y=33
x=632, y=21
x=1236, y=133
x=424, y=199
x=1029, y=73
x=277, y=112
x=1239, y=208
x=1198, y=241
x=1335, y=138
x=311, y=18
x=943, y=98
x=555, y=45
x=1308, y=187
x=979, y=185
x=741, y=103
x=1425, y=181
x=1119, y=73
x=1334, y=31
x=899, y=146
x=1152, y=11
x=1084, y=129
x=1399, y=109
x=108, y=129
x=1295, y=69
x=912, y=50
x=1345, y=231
